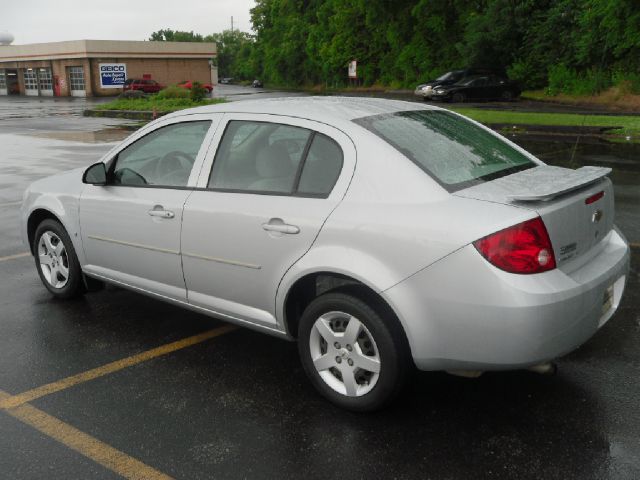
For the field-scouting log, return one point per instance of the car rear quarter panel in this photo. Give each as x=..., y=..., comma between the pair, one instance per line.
x=393, y=222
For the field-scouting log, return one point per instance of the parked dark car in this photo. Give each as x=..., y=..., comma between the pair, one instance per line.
x=483, y=87
x=425, y=90
x=142, y=84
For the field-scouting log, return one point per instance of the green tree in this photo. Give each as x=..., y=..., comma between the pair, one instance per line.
x=168, y=35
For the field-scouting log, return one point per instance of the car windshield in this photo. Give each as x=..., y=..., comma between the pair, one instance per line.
x=466, y=81
x=448, y=76
x=454, y=151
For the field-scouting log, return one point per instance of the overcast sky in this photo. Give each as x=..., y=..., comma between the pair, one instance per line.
x=36, y=21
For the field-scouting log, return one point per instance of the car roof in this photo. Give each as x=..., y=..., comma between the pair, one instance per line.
x=321, y=109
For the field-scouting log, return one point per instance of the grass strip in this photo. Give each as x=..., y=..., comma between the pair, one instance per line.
x=160, y=105
x=629, y=125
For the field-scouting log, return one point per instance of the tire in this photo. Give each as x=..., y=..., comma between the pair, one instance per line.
x=458, y=97
x=380, y=345
x=507, y=95
x=66, y=281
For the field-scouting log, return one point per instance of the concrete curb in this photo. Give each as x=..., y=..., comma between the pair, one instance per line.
x=552, y=129
x=129, y=114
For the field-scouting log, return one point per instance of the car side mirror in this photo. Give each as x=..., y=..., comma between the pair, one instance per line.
x=96, y=174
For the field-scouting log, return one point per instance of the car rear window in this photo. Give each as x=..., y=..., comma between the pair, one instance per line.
x=454, y=151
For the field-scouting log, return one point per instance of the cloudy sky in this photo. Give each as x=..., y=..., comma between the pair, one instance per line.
x=37, y=21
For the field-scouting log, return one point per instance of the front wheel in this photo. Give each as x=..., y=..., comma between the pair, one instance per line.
x=56, y=260
x=355, y=356
x=458, y=97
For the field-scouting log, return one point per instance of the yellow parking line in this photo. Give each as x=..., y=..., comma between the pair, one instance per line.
x=635, y=245
x=92, y=448
x=12, y=257
x=68, y=382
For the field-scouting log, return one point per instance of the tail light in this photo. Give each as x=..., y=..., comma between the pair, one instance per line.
x=524, y=248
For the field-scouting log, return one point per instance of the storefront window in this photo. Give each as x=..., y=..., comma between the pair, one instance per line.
x=3, y=79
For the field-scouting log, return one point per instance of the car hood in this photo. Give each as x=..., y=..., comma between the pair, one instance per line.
x=453, y=86
x=68, y=183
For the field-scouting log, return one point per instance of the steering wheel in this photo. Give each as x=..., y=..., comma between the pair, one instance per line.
x=171, y=162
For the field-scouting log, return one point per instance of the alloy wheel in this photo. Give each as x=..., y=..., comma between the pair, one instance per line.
x=344, y=354
x=53, y=259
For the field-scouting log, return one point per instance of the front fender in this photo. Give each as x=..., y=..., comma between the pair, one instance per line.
x=58, y=196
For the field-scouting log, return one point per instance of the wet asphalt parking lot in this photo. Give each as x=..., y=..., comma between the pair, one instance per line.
x=115, y=384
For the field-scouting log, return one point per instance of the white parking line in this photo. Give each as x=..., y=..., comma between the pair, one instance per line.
x=13, y=257
x=10, y=204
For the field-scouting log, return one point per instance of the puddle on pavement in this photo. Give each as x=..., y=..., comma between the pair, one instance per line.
x=106, y=135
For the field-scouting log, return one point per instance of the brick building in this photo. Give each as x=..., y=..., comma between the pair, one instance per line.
x=99, y=67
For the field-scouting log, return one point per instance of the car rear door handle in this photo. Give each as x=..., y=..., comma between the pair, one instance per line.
x=159, y=211
x=277, y=225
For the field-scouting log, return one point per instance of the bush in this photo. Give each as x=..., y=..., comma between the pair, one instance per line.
x=627, y=82
x=173, y=92
x=561, y=79
x=198, y=92
x=132, y=94
x=527, y=74
x=568, y=81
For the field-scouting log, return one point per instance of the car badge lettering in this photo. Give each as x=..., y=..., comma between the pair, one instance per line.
x=597, y=216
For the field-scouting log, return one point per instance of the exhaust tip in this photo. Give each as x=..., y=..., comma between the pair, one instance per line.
x=548, y=368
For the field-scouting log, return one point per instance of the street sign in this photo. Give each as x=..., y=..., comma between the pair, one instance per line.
x=353, y=65
x=112, y=75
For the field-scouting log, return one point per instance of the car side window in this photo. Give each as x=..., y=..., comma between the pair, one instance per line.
x=164, y=157
x=259, y=157
x=321, y=167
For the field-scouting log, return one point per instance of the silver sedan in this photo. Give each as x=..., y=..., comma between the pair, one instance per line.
x=378, y=234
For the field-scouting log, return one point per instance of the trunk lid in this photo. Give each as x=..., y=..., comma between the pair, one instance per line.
x=568, y=201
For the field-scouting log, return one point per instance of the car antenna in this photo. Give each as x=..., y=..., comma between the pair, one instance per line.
x=593, y=94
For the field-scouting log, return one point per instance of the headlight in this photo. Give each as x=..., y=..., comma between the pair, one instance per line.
x=426, y=88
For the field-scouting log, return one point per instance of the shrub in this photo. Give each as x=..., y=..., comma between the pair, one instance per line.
x=132, y=94
x=627, y=82
x=560, y=79
x=566, y=80
x=198, y=92
x=173, y=92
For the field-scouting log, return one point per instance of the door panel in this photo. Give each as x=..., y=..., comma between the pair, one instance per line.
x=131, y=227
x=237, y=245
x=121, y=239
x=232, y=263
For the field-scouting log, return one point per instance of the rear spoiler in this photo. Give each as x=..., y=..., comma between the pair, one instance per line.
x=545, y=182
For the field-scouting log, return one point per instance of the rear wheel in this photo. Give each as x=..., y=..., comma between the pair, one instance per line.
x=507, y=95
x=56, y=260
x=458, y=97
x=354, y=355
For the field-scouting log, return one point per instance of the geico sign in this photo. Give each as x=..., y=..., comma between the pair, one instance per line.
x=112, y=68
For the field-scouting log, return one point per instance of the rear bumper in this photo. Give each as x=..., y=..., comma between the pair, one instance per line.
x=463, y=313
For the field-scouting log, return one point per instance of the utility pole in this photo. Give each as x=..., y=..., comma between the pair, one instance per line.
x=231, y=23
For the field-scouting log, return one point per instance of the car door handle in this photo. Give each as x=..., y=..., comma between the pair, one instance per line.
x=159, y=211
x=280, y=227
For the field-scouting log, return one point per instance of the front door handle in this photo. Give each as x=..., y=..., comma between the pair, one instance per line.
x=159, y=211
x=277, y=225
